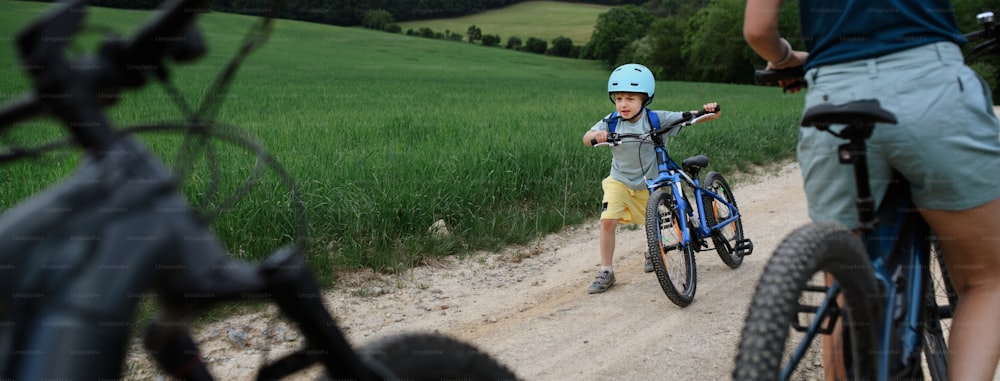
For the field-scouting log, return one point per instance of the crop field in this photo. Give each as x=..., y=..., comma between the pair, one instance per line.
x=387, y=134
x=542, y=19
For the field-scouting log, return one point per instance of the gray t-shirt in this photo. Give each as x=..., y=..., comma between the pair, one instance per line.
x=632, y=162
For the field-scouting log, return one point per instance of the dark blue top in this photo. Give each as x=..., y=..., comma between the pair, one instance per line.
x=847, y=30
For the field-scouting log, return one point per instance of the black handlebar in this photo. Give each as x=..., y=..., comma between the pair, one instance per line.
x=772, y=76
x=76, y=92
x=687, y=115
x=987, y=39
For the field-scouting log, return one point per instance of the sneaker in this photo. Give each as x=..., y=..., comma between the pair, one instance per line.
x=602, y=283
x=649, y=265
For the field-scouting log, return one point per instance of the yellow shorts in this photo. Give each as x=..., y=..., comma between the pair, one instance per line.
x=628, y=206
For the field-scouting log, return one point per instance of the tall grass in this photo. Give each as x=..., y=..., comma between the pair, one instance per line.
x=387, y=134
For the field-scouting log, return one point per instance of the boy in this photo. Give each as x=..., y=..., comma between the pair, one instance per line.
x=631, y=88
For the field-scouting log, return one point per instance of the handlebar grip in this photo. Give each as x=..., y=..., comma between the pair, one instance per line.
x=976, y=36
x=687, y=115
x=703, y=112
x=770, y=76
x=171, y=32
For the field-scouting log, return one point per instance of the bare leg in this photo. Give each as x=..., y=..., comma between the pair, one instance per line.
x=608, y=240
x=970, y=240
x=833, y=347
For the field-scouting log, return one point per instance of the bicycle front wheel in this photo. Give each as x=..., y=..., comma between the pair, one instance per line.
x=673, y=261
x=425, y=356
x=788, y=295
x=728, y=236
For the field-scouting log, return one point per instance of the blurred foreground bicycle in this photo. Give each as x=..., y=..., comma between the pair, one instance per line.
x=143, y=237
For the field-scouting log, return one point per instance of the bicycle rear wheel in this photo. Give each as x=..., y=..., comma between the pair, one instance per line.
x=791, y=288
x=940, y=299
x=675, y=269
x=727, y=236
x=425, y=356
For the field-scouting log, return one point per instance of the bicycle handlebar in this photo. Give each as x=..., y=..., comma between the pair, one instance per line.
x=772, y=76
x=688, y=118
x=987, y=35
x=988, y=38
x=75, y=92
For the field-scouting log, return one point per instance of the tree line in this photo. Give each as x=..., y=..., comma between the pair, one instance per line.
x=350, y=13
x=702, y=40
x=686, y=40
x=681, y=40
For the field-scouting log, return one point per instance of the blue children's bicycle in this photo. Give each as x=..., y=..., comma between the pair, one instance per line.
x=671, y=222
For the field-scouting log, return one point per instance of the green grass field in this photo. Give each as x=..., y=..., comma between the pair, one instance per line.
x=542, y=19
x=387, y=134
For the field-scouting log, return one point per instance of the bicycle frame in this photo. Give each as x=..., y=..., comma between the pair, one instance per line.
x=900, y=253
x=895, y=237
x=672, y=175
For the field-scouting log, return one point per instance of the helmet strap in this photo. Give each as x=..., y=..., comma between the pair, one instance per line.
x=637, y=115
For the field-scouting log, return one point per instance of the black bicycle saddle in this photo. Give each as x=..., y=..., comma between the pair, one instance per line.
x=868, y=110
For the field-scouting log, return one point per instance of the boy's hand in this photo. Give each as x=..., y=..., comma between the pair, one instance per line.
x=712, y=108
x=591, y=138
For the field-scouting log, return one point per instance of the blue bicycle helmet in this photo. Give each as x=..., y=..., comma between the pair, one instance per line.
x=633, y=78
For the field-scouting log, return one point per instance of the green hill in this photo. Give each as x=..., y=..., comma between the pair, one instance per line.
x=542, y=19
x=388, y=133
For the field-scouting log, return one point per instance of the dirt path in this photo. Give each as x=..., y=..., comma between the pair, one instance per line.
x=528, y=306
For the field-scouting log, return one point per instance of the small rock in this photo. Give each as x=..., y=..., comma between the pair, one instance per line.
x=439, y=229
x=491, y=319
x=237, y=337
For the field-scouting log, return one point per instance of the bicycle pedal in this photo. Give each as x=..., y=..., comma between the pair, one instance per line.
x=744, y=247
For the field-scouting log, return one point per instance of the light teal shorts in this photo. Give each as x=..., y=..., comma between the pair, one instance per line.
x=946, y=144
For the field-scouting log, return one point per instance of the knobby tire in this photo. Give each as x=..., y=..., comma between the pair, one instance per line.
x=723, y=242
x=940, y=299
x=806, y=252
x=427, y=356
x=662, y=213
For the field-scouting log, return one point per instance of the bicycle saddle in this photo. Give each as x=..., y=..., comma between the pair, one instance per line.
x=696, y=162
x=868, y=110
